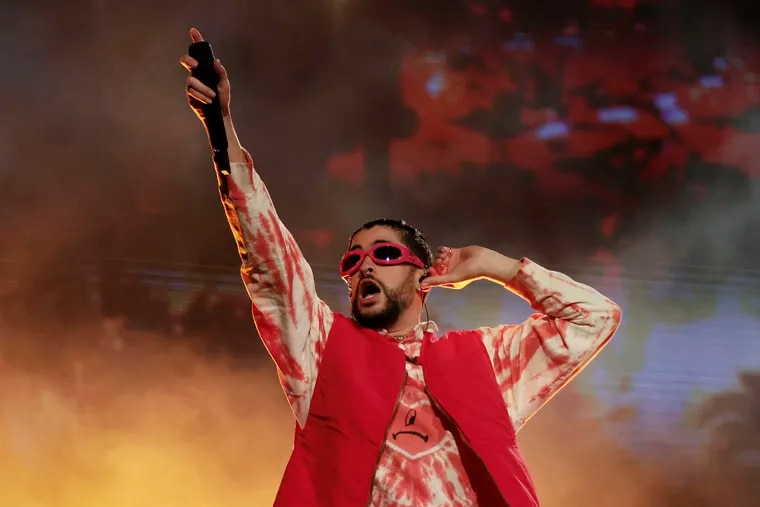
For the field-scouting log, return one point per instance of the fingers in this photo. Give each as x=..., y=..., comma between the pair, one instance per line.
x=194, y=88
x=446, y=280
x=195, y=35
x=442, y=256
x=198, y=90
x=188, y=62
x=220, y=70
x=441, y=276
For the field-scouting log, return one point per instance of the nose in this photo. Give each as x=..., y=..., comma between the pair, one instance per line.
x=367, y=265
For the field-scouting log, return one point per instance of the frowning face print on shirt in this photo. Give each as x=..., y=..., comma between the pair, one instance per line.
x=416, y=430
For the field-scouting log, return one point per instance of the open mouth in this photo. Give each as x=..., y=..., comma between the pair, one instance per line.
x=368, y=290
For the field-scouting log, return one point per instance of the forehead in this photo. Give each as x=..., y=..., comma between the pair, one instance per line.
x=366, y=237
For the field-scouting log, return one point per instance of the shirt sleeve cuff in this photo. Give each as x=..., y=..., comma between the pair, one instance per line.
x=524, y=283
x=242, y=179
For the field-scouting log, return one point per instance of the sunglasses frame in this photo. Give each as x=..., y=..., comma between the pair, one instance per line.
x=406, y=257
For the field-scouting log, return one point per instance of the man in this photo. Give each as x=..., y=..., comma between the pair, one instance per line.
x=390, y=411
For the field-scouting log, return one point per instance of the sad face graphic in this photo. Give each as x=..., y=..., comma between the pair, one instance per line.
x=415, y=430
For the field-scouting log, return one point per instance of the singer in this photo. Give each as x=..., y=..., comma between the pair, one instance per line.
x=389, y=410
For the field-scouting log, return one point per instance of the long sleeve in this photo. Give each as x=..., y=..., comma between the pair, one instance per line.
x=291, y=319
x=535, y=359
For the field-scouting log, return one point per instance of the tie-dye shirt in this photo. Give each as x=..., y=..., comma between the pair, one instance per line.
x=419, y=464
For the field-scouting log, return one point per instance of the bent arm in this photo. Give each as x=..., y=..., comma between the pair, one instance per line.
x=534, y=360
x=291, y=319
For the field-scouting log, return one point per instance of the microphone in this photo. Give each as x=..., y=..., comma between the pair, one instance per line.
x=212, y=113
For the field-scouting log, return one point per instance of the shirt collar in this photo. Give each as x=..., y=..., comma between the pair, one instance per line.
x=419, y=331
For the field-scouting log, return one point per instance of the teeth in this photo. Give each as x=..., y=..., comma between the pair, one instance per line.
x=368, y=289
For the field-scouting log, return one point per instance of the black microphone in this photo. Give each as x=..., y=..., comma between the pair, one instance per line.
x=212, y=113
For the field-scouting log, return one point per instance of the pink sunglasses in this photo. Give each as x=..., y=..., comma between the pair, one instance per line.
x=383, y=254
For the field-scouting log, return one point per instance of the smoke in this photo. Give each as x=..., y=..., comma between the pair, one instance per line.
x=576, y=462
x=98, y=137
x=152, y=424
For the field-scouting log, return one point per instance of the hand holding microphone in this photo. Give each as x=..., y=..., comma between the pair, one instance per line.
x=217, y=85
x=208, y=93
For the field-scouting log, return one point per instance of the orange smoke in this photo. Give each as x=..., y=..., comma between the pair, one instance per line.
x=148, y=427
x=149, y=423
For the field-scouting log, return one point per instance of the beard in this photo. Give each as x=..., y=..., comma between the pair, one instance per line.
x=383, y=316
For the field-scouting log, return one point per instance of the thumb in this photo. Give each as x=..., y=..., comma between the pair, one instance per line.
x=220, y=70
x=439, y=280
x=195, y=35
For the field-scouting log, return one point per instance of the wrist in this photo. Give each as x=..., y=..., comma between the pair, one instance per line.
x=501, y=269
x=234, y=148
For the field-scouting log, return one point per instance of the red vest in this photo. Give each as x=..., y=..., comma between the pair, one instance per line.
x=360, y=379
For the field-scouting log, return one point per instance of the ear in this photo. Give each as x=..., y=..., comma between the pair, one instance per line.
x=424, y=275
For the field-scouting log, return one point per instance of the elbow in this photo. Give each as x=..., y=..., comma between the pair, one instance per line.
x=610, y=321
x=603, y=326
x=616, y=314
x=603, y=315
x=602, y=321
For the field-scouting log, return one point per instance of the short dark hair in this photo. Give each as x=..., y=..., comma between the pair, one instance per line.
x=411, y=237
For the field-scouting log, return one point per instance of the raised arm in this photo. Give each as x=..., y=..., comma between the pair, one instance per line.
x=533, y=360
x=291, y=319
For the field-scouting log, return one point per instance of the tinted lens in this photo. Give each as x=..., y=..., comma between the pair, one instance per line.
x=386, y=253
x=349, y=261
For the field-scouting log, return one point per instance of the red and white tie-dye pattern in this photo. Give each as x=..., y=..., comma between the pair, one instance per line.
x=531, y=362
x=419, y=465
x=535, y=359
x=291, y=320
